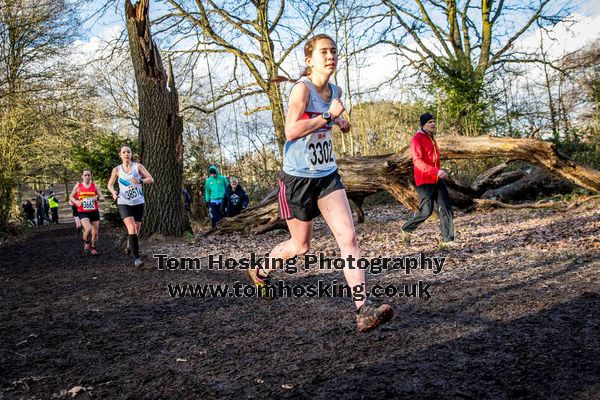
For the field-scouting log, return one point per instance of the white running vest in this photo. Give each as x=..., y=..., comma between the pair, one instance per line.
x=130, y=194
x=312, y=156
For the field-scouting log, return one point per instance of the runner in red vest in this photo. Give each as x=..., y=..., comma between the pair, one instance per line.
x=85, y=195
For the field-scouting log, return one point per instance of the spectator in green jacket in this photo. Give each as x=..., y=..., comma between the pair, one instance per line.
x=214, y=192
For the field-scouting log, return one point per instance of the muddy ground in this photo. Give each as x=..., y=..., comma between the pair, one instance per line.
x=514, y=314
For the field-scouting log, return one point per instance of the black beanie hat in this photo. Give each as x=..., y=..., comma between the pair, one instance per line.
x=424, y=118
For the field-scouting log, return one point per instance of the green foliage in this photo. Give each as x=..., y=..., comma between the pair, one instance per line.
x=101, y=155
x=461, y=103
x=586, y=152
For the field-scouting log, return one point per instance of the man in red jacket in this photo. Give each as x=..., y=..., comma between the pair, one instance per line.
x=429, y=179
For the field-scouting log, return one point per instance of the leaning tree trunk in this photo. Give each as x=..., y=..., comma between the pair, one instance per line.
x=161, y=127
x=367, y=175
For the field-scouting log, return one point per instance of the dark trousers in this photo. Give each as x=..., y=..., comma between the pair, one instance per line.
x=39, y=215
x=428, y=194
x=54, y=212
x=214, y=210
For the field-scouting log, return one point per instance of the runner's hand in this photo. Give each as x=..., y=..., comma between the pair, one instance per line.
x=115, y=196
x=343, y=124
x=336, y=108
x=442, y=174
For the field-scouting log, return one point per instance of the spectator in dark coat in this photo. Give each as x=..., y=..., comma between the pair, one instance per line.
x=235, y=199
x=29, y=212
x=39, y=208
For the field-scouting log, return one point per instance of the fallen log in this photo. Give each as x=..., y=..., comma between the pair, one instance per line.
x=506, y=178
x=494, y=178
x=579, y=202
x=393, y=172
x=535, y=182
x=482, y=182
x=485, y=203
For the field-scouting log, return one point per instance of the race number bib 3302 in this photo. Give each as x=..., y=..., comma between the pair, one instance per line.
x=88, y=204
x=320, y=154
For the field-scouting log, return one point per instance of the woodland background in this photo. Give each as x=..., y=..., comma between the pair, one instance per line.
x=69, y=99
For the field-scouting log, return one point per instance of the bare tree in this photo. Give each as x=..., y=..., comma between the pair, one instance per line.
x=37, y=96
x=456, y=43
x=257, y=35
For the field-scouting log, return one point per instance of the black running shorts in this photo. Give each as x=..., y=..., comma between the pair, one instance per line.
x=75, y=213
x=93, y=216
x=298, y=196
x=137, y=211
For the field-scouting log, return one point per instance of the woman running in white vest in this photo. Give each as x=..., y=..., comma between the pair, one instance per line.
x=130, y=198
x=309, y=184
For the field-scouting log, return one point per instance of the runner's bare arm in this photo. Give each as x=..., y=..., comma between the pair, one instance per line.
x=295, y=126
x=145, y=174
x=72, y=196
x=111, y=183
x=99, y=196
x=340, y=121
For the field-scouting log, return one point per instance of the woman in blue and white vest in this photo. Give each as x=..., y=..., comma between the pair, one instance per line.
x=310, y=185
x=130, y=198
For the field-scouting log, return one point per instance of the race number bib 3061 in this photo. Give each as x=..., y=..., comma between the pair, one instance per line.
x=320, y=151
x=132, y=192
x=88, y=204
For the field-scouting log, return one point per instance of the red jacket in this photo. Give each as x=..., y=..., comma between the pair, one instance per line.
x=426, y=158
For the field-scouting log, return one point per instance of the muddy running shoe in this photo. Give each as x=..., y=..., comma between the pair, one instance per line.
x=369, y=316
x=86, y=248
x=94, y=251
x=138, y=262
x=260, y=283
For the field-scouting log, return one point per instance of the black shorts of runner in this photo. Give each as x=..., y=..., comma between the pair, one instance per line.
x=298, y=196
x=137, y=211
x=75, y=212
x=93, y=216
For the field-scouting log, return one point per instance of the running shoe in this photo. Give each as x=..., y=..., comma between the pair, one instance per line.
x=369, y=316
x=86, y=248
x=94, y=251
x=138, y=262
x=260, y=283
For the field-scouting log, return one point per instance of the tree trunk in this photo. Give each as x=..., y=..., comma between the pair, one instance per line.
x=363, y=176
x=161, y=127
x=494, y=178
x=277, y=115
x=537, y=181
x=481, y=183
